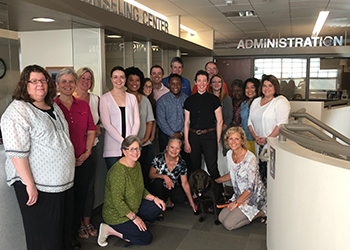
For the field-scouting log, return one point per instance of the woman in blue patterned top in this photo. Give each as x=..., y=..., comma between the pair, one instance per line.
x=167, y=169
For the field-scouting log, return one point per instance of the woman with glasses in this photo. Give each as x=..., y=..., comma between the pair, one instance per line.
x=82, y=134
x=85, y=84
x=40, y=160
x=216, y=87
x=127, y=203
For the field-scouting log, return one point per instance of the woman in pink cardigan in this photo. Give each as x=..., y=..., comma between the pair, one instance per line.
x=119, y=115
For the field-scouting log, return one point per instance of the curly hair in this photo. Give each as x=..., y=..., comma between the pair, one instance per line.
x=134, y=71
x=238, y=130
x=21, y=92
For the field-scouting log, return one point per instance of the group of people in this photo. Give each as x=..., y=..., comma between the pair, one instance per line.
x=50, y=141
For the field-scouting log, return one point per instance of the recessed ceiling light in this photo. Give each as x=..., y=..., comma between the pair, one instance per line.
x=114, y=36
x=43, y=19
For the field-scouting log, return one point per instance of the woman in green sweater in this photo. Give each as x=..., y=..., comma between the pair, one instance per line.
x=127, y=203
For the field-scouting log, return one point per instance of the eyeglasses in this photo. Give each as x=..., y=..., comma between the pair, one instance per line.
x=133, y=149
x=85, y=79
x=147, y=87
x=35, y=81
x=210, y=69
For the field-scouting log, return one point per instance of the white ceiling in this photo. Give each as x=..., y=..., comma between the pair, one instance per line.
x=285, y=18
x=274, y=18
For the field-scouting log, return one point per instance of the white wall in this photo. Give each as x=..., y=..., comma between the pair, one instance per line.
x=192, y=65
x=46, y=48
x=338, y=119
x=313, y=108
x=308, y=205
x=64, y=48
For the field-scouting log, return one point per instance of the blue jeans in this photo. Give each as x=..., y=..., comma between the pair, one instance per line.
x=110, y=161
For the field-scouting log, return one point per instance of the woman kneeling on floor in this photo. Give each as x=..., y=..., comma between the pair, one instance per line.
x=168, y=168
x=249, y=199
x=127, y=203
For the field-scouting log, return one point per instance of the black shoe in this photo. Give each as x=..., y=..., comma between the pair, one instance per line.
x=75, y=244
x=160, y=218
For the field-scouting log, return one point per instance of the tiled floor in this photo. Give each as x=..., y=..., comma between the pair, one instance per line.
x=182, y=230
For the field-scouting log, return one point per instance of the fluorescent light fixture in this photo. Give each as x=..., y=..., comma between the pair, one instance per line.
x=192, y=32
x=155, y=13
x=114, y=36
x=43, y=19
x=322, y=16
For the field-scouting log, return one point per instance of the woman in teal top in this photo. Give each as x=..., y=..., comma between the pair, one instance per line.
x=127, y=203
x=251, y=86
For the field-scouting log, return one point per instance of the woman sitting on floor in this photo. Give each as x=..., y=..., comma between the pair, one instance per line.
x=166, y=171
x=249, y=199
x=127, y=203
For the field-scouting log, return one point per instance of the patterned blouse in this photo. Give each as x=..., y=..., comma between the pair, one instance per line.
x=245, y=176
x=160, y=164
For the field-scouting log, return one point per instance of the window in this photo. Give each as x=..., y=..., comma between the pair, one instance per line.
x=291, y=73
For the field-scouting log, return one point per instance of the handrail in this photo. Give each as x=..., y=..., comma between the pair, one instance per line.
x=330, y=104
x=338, y=150
x=302, y=114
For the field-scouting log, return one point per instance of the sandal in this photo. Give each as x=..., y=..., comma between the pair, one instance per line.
x=91, y=230
x=264, y=220
x=82, y=233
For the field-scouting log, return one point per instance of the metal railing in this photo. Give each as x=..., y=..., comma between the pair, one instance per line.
x=331, y=104
x=319, y=141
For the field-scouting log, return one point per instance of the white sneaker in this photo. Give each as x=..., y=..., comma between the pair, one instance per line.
x=102, y=236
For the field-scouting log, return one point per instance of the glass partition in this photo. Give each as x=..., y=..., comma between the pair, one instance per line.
x=9, y=63
x=157, y=55
x=87, y=51
x=140, y=50
x=114, y=49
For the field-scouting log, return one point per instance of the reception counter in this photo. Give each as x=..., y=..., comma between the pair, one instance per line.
x=308, y=199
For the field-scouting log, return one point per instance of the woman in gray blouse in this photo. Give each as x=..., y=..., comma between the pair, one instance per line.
x=40, y=160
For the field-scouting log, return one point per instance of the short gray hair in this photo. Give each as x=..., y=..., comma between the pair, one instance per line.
x=130, y=140
x=66, y=71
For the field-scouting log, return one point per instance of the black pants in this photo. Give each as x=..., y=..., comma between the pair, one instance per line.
x=47, y=223
x=148, y=211
x=163, y=142
x=82, y=178
x=90, y=194
x=145, y=167
x=176, y=194
x=206, y=144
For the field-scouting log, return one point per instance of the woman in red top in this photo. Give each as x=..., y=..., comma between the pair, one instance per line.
x=82, y=134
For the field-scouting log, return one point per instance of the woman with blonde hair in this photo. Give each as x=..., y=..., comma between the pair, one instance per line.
x=85, y=84
x=249, y=199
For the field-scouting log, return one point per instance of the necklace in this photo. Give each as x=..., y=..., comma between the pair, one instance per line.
x=237, y=157
x=171, y=162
